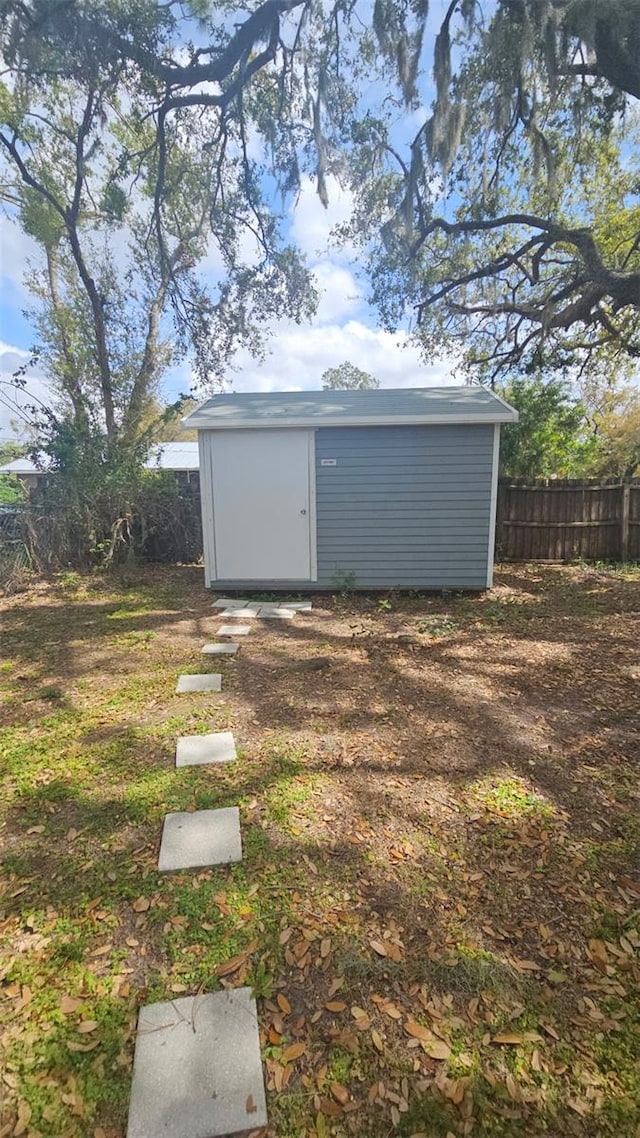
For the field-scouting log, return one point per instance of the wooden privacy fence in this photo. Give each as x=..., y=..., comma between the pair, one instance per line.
x=569, y=519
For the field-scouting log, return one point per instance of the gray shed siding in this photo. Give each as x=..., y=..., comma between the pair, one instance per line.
x=406, y=506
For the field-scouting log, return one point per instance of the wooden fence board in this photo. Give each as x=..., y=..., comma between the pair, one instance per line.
x=566, y=520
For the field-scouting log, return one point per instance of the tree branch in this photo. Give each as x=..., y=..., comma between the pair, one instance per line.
x=70, y=219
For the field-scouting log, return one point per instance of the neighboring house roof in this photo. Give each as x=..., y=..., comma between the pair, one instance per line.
x=174, y=456
x=379, y=407
x=20, y=466
x=163, y=456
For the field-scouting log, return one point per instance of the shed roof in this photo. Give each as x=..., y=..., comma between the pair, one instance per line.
x=380, y=407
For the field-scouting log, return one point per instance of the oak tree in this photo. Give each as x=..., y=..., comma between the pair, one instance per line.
x=348, y=377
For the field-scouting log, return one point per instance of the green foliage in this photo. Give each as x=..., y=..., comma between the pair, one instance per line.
x=511, y=225
x=614, y=412
x=124, y=215
x=348, y=377
x=552, y=436
x=11, y=490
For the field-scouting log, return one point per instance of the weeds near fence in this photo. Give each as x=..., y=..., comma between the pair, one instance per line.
x=163, y=524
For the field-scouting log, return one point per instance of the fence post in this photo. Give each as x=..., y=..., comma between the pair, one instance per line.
x=625, y=514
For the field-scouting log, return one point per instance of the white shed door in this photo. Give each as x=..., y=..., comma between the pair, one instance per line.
x=262, y=505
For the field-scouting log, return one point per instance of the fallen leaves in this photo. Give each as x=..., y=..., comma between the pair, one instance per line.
x=494, y=907
x=416, y=1030
x=597, y=952
x=70, y=1004
x=378, y=947
x=340, y=1093
x=387, y=1007
x=293, y=1052
x=436, y=1049
x=234, y=963
x=361, y=1019
x=515, y=1038
x=25, y=998
x=433, y=1047
x=23, y=1120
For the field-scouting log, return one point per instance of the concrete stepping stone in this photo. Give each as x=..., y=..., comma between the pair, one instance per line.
x=228, y=602
x=234, y=630
x=196, y=1070
x=205, y=837
x=194, y=750
x=208, y=681
x=239, y=614
x=275, y=614
x=299, y=606
x=220, y=649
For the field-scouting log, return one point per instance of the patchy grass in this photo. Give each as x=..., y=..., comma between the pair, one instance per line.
x=439, y=902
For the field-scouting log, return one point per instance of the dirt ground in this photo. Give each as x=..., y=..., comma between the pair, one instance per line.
x=439, y=903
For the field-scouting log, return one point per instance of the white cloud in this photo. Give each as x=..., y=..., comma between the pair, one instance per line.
x=15, y=400
x=340, y=294
x=312, y=223
x=299, y=356
x=20, y=353
x=17, y=249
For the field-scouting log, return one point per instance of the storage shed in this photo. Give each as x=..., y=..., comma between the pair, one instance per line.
x=360, y=489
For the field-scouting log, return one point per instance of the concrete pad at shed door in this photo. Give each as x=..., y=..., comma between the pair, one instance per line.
x=275, y=614
x=197, y=1071
x=195, y=750
x=208, y=681
x=199, y=839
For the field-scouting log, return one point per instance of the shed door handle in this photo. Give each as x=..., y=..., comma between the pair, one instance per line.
x=303, y=511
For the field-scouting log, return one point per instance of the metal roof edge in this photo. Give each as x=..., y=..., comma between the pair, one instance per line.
x=498, y=398
x=212, y=423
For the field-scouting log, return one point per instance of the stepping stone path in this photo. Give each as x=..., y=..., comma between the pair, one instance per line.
x=194, y=750
x=208, y=681
x=198, y=839
x=220, y=649
x=197, y=1071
